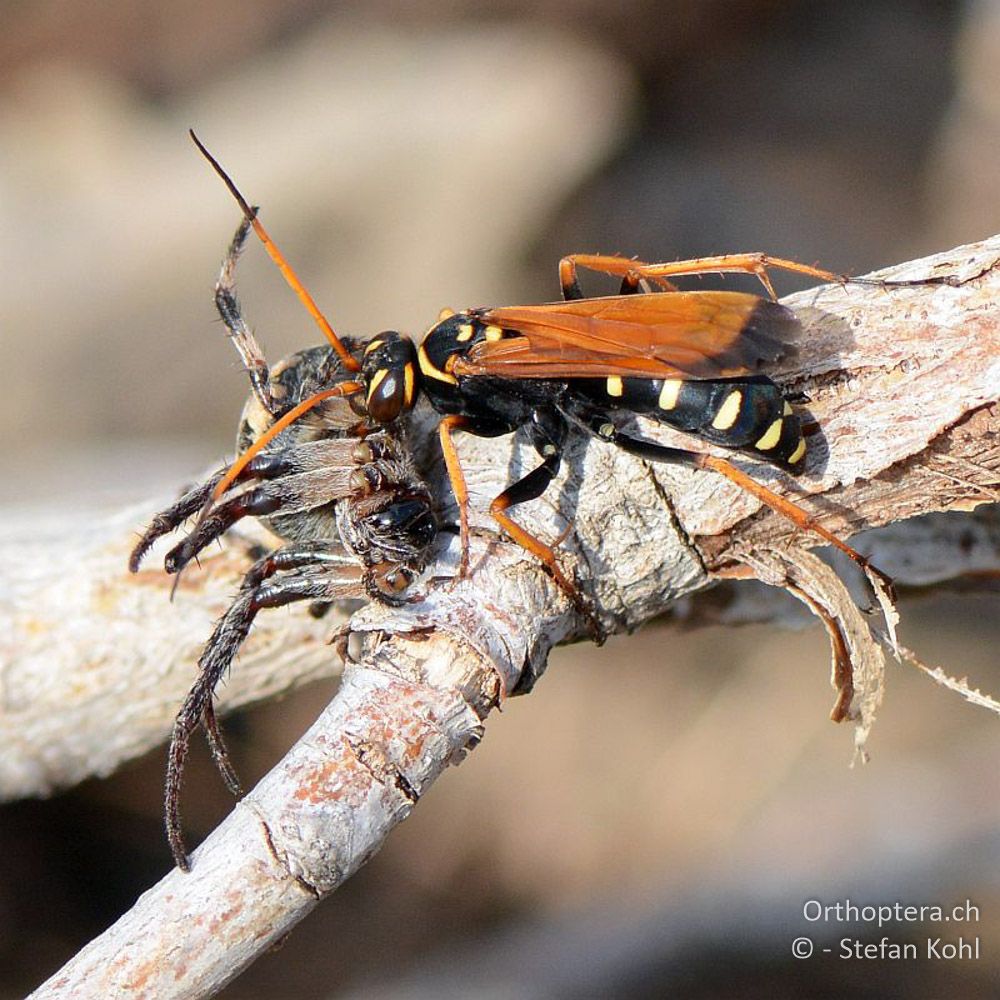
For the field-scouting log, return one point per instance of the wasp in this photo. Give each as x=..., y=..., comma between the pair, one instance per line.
x=694, y=360
x=356, y=518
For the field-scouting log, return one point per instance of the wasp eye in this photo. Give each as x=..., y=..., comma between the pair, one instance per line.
x=385, y=396
x=389, y=372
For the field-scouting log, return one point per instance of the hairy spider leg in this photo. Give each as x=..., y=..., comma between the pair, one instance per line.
x=244, y=341
x=258, y=501
x=341, y=389
x=220, y=753
x=185, y=550
x=227, y=637
x=165, y=522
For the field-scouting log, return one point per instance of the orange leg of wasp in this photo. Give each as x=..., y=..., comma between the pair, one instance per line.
x=756, y=264
x=787, y=509
x=597, y=425
x=350, y=363
x=449, y=424
x=630, y=271
x=515, y=494
x=546, y=556
x=525, y=489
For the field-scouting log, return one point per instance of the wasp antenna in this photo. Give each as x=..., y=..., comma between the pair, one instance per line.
x=250, y=213
x=350, y=363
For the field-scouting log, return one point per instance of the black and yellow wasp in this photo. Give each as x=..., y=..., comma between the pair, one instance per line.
x=695, y=360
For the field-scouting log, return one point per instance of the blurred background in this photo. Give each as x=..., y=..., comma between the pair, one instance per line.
x=650, y=821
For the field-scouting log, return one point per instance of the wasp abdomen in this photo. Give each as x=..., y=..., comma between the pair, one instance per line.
x=749, y=413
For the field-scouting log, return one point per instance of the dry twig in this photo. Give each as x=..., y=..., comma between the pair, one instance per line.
x=904, y=384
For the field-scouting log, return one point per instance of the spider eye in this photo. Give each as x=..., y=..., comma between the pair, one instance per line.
x=400, y=518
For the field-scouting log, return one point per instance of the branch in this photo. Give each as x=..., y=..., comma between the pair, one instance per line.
x=95, y=662
x=904, y=384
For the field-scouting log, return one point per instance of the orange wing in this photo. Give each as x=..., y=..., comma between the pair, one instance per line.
x=657, y=335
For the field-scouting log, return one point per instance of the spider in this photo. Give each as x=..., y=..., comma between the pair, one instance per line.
x=356, y=518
